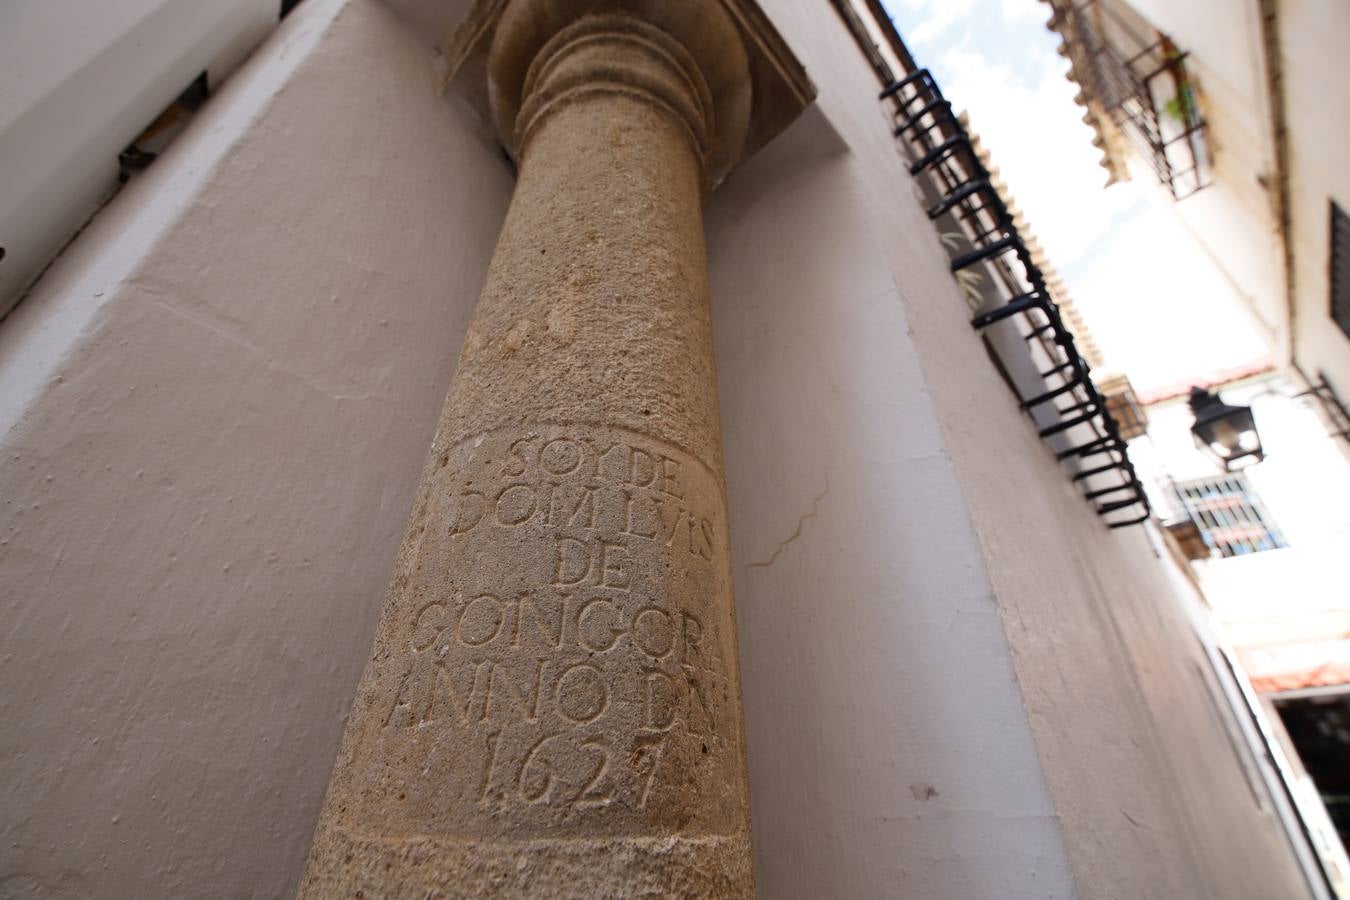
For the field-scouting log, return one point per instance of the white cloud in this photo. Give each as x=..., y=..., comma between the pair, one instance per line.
x=941, y=16
x=1044, y=152
x=1158, y=305
x=1018, y=11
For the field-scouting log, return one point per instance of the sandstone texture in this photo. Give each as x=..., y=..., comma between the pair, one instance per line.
x=552, y=706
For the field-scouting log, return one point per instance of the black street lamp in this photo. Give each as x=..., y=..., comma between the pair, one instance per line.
x=1226, y=434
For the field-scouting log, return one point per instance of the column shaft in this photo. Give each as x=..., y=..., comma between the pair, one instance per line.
x=552, y=706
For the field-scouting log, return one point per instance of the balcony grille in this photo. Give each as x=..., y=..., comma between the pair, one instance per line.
x=1070, y=412
x=1144, y=89
x=1231, y=519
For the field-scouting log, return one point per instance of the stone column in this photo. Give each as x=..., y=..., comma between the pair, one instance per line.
x=552, y=706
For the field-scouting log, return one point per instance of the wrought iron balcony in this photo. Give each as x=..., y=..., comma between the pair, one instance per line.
x=1142, y=86
x=1027, y=338
x=1069, y=410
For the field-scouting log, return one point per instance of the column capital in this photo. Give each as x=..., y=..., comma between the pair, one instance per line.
x=618, y=54
x=718, y=66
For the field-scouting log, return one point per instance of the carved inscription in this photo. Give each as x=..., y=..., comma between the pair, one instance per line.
x=565, y=482
x=563, y=652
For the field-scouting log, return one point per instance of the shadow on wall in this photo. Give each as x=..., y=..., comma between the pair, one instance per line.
x=206, y=492
x=889, y=750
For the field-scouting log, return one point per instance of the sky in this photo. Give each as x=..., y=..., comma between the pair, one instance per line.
x=1124, y=257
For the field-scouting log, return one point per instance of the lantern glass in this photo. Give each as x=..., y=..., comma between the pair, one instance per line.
x=1226, y=434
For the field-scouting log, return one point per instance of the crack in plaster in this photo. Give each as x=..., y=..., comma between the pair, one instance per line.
x=201, y=322
x=270, y=365
x=1135, y=822
x=815, y=504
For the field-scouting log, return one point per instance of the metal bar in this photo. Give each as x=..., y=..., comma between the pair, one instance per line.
x=966, y=260
x=1104, y=492
x=896, y=87
x=1128, y=523
x=941, y=150
x=1100, y=470
x=967, y=190
x=1014, y=306
x=923, y=111
x=1092, y=448
x=1116, y=506
x=1052, y=394
x=925, y=124
x=967, y=213
x=1057, y=370
x=1061, y=427
x=1089, y=403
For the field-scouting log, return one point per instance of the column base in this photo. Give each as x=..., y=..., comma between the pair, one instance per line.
x=438, y=866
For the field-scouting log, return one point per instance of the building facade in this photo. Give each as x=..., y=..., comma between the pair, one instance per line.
x=1228, y=108
x=1265, y=547
x=1215, y=104
x=958, y=679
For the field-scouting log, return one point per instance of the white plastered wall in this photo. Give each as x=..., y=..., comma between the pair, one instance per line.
x=1314, y=35
x=79, y=80
x=866, y=610
x=214, y=413
x=1235, y=219
x=890, y=754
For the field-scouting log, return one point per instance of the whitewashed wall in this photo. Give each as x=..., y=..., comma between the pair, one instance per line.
x=78, y=82
x=1235, y=220
x=841, y=336
x=1314, y=35
x=213, y=415
x=890, y=753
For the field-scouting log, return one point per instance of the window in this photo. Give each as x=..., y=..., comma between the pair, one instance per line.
x=1340, y=267
x=1137, y=78
x=1231, y=519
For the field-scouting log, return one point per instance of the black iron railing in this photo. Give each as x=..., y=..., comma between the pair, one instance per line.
x=1069, y=410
